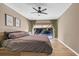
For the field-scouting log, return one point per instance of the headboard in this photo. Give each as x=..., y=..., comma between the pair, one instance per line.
x=2, y=36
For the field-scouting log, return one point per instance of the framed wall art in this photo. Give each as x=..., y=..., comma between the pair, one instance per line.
x=8, y=20
x=18, y=22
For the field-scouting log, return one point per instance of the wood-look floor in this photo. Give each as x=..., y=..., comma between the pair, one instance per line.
x=58, y=50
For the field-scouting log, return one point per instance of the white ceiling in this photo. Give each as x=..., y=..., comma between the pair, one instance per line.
x=54, y=10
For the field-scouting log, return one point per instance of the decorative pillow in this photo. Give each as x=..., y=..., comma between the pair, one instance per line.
x=18, y=34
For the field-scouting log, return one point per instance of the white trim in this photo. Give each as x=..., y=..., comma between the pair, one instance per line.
x=68, y=47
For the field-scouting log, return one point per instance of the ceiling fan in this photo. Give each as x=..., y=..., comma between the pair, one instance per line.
x=40, y=11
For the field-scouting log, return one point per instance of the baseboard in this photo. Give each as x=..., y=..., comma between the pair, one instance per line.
x=68, y=47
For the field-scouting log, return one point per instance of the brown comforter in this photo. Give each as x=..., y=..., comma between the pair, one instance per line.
x=34, y=43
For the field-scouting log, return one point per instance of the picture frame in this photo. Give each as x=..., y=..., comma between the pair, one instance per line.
x=18, y=22
x=9, y=20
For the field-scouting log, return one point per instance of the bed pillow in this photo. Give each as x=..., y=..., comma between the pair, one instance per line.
x=7, y=33
x=13, y=35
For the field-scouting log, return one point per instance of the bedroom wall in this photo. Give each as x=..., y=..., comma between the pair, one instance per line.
x=32, y=23
x=55, y=25
x=68, y=27
x=6, y=10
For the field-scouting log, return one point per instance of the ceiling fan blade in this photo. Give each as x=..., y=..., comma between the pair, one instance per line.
x=43, y=13
x=35, y=9
x=44, y=9
x=34, y=12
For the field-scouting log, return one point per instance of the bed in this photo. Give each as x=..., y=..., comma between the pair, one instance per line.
x=22, y=42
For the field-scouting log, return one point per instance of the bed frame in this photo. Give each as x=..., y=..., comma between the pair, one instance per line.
x=6, y=52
